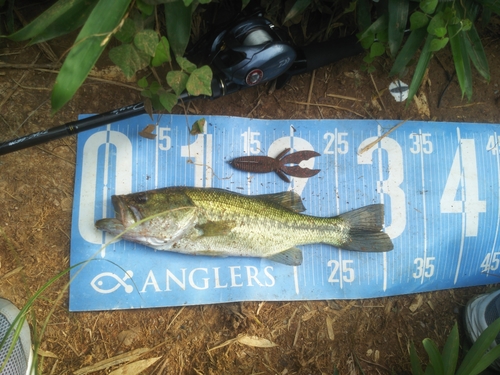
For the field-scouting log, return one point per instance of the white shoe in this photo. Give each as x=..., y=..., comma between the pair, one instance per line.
x=480, y=312
x=20, y=360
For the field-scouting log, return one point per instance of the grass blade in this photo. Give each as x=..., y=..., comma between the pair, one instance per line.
x=475, y=353
x=476, y=53
x=461, y=59
x=297, y=8
x=416, y=368
x=423, y=63
x=178, y=21
x=486, y=360
x=435, y=358
x=450, y=351
x=64, y=15
x=408, y=51
x=493, y=5
x=88, y=46
x=398, y=17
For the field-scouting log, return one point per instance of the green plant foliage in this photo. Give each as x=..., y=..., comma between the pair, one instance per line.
x=61, y=18
x=88, y=46
x=132, y=24
x=477, y=359
x=439, y=24
x=178, y=21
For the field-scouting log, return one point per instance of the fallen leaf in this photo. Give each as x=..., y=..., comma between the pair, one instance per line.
x=147, y=132
x=46, y=353
x=417, y=302
x=256, y=341
x=135, y=367
x=128, y=336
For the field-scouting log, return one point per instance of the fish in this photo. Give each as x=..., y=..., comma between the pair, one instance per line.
x=222, y=223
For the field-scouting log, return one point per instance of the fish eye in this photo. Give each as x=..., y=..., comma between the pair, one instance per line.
x=141, y=198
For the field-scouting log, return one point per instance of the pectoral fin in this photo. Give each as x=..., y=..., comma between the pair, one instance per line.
x=290, y=257
x=216, y=228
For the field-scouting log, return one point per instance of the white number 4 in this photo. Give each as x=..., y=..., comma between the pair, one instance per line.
x=463, y=181
x=491, y=262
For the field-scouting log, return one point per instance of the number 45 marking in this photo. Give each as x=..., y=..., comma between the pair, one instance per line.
x=463, y=178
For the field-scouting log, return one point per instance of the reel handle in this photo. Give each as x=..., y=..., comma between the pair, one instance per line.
x=325, y=53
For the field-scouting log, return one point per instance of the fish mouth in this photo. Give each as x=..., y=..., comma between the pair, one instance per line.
x=124, y=212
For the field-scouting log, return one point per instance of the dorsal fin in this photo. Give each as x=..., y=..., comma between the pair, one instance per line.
x=287, y=199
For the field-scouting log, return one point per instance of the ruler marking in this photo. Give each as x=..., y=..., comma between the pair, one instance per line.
x=462, y=183
x=424, y=207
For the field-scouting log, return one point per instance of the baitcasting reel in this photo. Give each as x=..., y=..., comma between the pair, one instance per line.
x=252, y=52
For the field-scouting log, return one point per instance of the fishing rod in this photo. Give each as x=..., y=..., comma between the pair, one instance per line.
x=252, y=52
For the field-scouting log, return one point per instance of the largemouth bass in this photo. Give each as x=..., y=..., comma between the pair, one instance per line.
x=217, y=222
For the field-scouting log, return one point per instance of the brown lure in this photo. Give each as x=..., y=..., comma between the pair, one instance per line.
x=266, y=164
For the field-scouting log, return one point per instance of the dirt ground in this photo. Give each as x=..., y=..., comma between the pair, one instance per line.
x=369, y=336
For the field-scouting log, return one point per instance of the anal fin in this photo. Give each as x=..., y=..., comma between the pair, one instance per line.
x=290, y=257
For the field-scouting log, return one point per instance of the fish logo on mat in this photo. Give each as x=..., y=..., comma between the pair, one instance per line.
x=97, y=282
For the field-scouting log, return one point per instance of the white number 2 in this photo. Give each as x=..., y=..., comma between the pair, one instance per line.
x=463, y=179
x=347, y=272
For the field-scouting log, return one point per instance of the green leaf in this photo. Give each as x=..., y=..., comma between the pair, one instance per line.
x=398, y=17
x=129, y=59
x=200, y=82
x=493, y=5
x=298, y=7
x=367, y=41
x=198, y=126
x=146, y=41
x=437, y=25
x=435, y=359
x=178, y=22
x=486, y=360
x=377, y=49
x=61, y=18
x=476, y=52
x=450, y=351
x=146, y=9
x=438, y=44
x=155, y=86
x=416, y=368
x=377, y=26
x=363, y=12
x=461, y=60
x=168, y=100
x=428, y=6
x=162, y=52
x=126, y=32
x=466, y=24
x=142, y=83
x=88, y=46
x=408, y=51
x=418, y=20
x=177, y=79
x=475, y=355
x=422, y=64
x=185, y=64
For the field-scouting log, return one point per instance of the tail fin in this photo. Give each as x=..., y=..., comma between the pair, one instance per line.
x=365, y=234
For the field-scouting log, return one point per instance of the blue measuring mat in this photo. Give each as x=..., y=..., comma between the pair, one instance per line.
x=439, y=183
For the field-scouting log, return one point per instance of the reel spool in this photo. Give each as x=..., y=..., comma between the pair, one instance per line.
x=252, y=52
